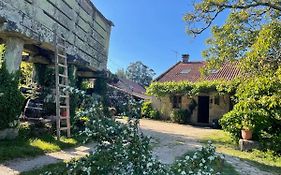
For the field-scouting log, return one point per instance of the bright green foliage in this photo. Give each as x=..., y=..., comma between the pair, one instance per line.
x=26, y=73
x=11, y=99
x=259, y=108
x=264, y=56
x=2, y=50
x=147, y=111
x=191, y=89
x=250, y=33
x=179, y=116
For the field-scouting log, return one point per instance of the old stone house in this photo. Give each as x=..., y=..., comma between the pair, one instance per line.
x=58, y=35
x=209, y=106
x=31, y=26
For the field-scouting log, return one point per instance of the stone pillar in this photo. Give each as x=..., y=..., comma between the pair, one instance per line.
x=13, y=53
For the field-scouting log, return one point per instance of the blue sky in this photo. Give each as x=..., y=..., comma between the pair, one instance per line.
x=151, y=31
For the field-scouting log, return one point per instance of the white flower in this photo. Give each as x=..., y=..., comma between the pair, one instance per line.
x=203, y=160
x=183, y=172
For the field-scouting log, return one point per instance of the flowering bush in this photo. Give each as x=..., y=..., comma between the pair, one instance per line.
x=123, y=149
x=204, y=161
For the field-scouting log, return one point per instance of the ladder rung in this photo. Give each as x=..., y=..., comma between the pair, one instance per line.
x=61, y=75
x=34, y=108
x=64, y=107
x=62, y=56
x=64, y=128
x=64, y=96
x=64, y=118
x=61, y=46
x=61, y=65
x=62, y=85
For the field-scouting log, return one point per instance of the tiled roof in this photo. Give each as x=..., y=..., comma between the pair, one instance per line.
x=130, y=87
x=228, y=71
x=190, y=71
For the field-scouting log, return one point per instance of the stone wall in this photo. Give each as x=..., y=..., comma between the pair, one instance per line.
x=86, y=30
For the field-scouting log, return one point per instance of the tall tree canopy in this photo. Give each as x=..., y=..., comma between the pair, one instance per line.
x=140, y=73
x=121, y=73
x=251, y=33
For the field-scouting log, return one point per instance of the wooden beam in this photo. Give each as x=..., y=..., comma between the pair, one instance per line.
x=89, y=74
x=36, y=59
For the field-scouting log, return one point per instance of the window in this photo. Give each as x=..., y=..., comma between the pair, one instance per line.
x=176, y=101
x=214, y=71
x=185, y=71
x=217, y=100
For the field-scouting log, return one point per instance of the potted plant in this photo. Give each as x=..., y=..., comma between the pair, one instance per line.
x=247, y=130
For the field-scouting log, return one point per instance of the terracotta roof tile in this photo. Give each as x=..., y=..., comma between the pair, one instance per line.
x=190, y=71
x=130, y=87
x=228, y=71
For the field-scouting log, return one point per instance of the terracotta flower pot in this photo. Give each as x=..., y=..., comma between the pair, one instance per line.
x=246, y=134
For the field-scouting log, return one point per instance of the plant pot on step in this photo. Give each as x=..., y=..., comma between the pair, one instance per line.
x=246, y=134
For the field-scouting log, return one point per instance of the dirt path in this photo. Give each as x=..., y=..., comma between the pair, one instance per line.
x=169, y=142
x=17, y=166
x=172, y=140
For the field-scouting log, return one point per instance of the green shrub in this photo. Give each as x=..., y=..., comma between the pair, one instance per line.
x=147, y=111
x=259, y=107
x=179, y=116
x=11, y=99
x=155, y=115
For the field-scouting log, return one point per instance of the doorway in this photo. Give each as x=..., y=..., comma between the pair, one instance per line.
x=203, y=109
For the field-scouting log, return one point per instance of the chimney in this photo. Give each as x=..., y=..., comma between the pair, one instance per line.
x=185, y=58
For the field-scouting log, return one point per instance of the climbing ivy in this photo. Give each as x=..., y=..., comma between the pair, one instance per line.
x=190, y=89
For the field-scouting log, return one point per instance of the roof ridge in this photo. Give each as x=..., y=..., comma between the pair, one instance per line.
x=161, y=75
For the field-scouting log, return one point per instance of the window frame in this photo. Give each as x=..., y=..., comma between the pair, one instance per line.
x=176, y=101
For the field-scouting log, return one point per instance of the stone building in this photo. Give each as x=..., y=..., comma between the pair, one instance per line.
x=31, y=25
x=209, y=106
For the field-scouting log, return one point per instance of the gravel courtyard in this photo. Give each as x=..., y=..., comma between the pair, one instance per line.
x=172, y=140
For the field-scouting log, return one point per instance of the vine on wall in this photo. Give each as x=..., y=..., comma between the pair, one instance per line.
x=159, y=89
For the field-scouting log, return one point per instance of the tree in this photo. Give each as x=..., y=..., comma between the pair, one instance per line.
x=121, y=73
x=140, y=73
x=251, y=32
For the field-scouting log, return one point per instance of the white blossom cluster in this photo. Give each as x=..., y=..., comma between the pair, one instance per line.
x=122, y=149
x=73, y=90
x=200, y=163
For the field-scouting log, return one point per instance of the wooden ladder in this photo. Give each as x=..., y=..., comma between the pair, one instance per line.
x=62, y=97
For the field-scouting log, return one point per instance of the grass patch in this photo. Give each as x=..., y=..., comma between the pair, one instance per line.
x=52, y=167
x=29, y=147
x=264, y=160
